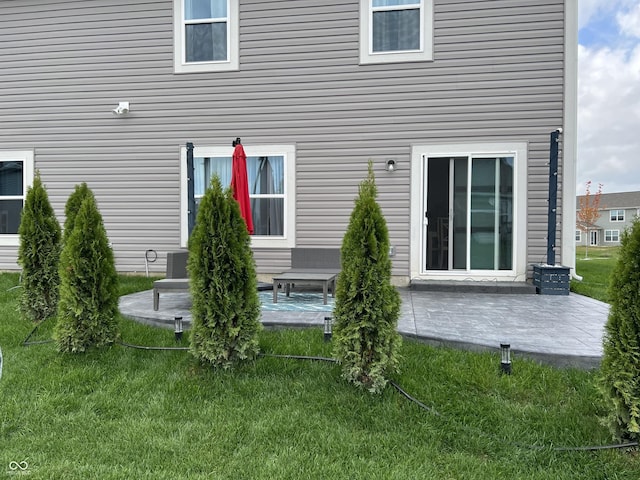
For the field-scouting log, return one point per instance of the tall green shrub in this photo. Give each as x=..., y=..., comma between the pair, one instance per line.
x=226, y=306
x=620, y=370
x=38, y=255
x=367, y=308
x=72, y=207
x=88, y=285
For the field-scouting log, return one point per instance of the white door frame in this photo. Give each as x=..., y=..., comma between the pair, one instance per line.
x=418, y=153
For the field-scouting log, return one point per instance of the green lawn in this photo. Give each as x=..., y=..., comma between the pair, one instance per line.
x=127, y=413
x=595, y=268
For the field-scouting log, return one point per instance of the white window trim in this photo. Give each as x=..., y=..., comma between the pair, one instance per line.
x=26, y=156
x=232, y=63
x=617, y=210
x=611, y=234
x=519, y=152
x=366, y=44
x=579, y=236
x=257, y=241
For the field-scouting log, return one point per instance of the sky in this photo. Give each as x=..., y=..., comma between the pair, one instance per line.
x=609, y=95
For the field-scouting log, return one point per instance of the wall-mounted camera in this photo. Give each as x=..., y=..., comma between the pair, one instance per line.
x=121, y=109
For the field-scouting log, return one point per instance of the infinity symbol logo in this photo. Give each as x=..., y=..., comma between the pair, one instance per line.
x=13, y=466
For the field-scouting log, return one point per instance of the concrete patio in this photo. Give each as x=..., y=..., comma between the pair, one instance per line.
x=564, y=331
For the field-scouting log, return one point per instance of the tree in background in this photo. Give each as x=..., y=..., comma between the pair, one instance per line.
x=226, y=306
x=589, y=212
x=620, y=369
x=71, y=209
x=88, y=284
x=38, y=255
x=367, y=306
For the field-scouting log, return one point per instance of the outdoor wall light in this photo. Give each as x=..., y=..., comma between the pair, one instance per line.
x=391, y=165
x=177, y=328
x=121, y=109
x=327, y=328
x=505, y=358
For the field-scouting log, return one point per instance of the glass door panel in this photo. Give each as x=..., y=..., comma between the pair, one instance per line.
x=482, y=243
x=459, y=246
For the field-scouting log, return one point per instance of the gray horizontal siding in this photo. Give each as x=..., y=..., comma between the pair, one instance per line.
x=497, y=75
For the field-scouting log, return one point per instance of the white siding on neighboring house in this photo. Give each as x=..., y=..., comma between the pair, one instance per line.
x=497, y=76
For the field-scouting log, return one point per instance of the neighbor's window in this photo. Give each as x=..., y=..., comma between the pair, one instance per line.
x=396, y=31
x=617, y=215
x=578, y=236
x=16, y=174
x=612, y=235
x=206, y=35
x=270, y=173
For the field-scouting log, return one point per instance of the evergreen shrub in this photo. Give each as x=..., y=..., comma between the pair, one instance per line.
x=88, y=307
x=72, y=207
x=367, y=307
x=226, y=306
x=620, y=369
x=38, y=255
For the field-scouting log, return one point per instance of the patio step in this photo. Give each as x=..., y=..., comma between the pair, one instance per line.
x=460, y=286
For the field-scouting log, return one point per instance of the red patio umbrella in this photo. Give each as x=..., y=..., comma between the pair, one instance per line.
x=240, y=184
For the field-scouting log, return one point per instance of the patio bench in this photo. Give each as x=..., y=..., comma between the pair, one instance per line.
x=310, y=266
x=177, y=279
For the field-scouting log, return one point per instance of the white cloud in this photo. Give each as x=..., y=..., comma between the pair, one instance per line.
x=609, y=117
x=629, y=22
x=609, y=95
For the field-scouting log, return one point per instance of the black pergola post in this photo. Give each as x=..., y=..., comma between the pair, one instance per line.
x=553, y=197
x=191, y=199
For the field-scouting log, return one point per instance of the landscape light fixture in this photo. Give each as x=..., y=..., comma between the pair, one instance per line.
x=327, y=329
x=177, y=328
x=391, y=165
x=505, y=358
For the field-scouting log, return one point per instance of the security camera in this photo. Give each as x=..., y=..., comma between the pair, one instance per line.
x=121, y=109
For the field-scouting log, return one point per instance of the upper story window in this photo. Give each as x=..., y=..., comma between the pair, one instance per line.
x=271, y=177
x=616, y=215
x=205, y=35
x=396, y=31
x=16, y=175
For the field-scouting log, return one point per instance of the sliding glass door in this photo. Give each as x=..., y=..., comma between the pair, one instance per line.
x=468, y=215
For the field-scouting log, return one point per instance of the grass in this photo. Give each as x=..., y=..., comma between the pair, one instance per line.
x=126, y=413
x=595, y=271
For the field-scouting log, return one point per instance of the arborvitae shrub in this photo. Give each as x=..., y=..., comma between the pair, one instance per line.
x=72, y=207
x=226, y=306
x=38, y=255
x=367, y=308
x=87, y=312
x=620, y=370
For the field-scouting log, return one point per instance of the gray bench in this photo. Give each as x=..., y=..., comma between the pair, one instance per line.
x=177, y=279
x=310, y=266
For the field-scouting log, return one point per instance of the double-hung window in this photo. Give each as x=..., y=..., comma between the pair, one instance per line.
x=396, y=31
x=271, y=178
x=205, y=35
x=612, y=235
x=617, y=215
x=16, y=175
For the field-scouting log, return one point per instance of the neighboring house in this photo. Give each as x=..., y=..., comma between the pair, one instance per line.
x=462, y=96
x=617, y=212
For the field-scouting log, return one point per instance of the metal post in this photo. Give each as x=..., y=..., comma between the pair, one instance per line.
x=553, y=197
x=191, y=199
